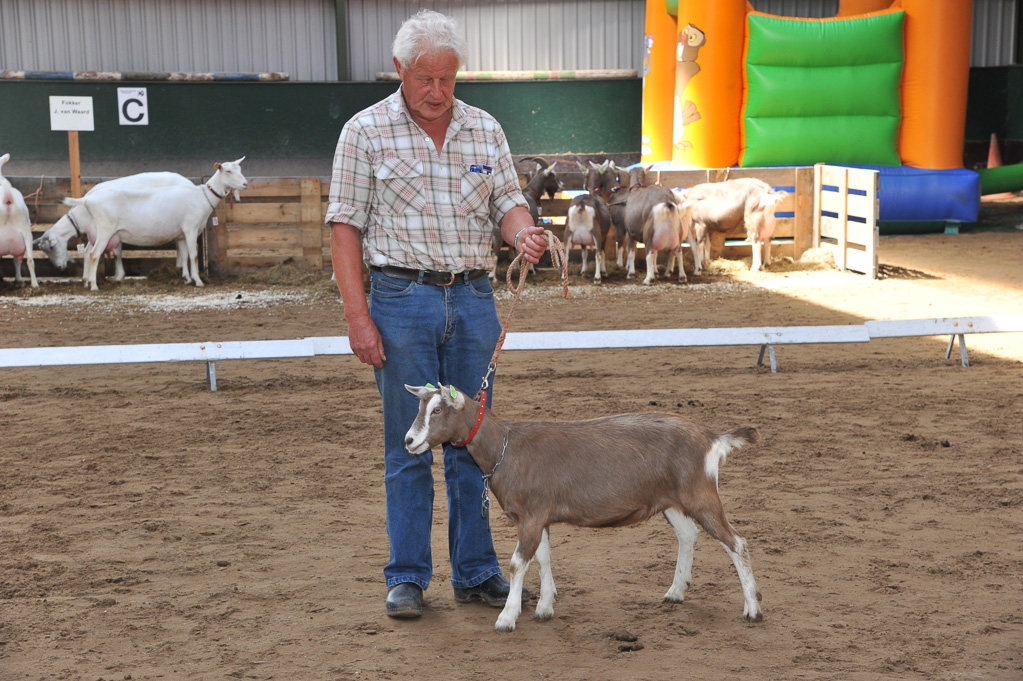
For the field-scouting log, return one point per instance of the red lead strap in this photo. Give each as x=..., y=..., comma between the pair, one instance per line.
x=559, y=260
x=479, y=420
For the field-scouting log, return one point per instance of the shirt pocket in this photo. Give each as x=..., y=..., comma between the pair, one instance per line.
x=400, y=186
x=477, y=188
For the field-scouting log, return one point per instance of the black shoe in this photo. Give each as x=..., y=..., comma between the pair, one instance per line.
x=493, y=592
x=405, y=601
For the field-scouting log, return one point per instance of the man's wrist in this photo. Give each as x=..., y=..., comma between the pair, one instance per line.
x=515, y=241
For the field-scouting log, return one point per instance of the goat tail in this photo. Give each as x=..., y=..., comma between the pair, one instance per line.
x=747, y=435
x=724, y=444
x=71, y=201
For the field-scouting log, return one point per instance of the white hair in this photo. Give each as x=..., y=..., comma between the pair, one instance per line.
x=425, y=32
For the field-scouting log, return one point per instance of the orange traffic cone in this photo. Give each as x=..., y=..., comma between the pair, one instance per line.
x=994, y=160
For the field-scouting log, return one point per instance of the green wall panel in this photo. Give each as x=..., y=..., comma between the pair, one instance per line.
x=303, y=120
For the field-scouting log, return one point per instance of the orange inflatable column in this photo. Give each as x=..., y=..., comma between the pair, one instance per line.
x=934, y=82
x=708, y=82
x=658, y=82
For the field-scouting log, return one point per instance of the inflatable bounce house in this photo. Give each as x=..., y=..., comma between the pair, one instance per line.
x=882, y=85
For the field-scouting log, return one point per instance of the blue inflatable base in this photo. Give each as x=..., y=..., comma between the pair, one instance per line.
x=908, y=194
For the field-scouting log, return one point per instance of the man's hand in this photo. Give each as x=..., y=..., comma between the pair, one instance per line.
x=519, y=232
x=366, y=342
x=532, y=243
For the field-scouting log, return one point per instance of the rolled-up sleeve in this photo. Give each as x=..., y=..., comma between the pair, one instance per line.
x=351, y=179
x=507, y=191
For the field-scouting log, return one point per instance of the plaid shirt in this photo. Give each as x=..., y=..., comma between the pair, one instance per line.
x=417, y=208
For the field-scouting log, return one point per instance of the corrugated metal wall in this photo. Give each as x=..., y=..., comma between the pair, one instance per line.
x=509, y=35
x=298, y=36
x=811, y=9
x=995, y=25
x=238, y=36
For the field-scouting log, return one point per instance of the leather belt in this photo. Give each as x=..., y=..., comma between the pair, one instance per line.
x=433, y=277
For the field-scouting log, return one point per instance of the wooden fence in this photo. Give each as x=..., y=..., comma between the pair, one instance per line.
x=845, y=216
x=280, y=220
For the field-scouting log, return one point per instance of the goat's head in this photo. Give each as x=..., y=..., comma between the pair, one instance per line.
x=441, y=417
x=637, y=176
x=231, y=175
x=545, y=181
x=602, y=178
x=53, y=242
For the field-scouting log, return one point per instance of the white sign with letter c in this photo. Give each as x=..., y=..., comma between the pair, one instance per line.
x=132, y=106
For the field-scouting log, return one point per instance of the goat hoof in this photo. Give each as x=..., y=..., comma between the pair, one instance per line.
x=543, y=616
x=759, y=617
x=504, y=628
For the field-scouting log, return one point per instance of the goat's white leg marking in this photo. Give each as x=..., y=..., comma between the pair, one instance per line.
x=651, y=265
x=681, y=269
x=740, y=558
x=686, y=530
x=513, y=606
x=697, y=254
x=599, y=257
x=193, y=256
x=585, y=251
x=548, y=592
x=92, y=264
x=118, y=266
x=757, y=250
x=631, y=261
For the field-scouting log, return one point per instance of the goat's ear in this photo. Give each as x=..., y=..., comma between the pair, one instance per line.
x=216, y=166
x=452, y=396
x=419, y=390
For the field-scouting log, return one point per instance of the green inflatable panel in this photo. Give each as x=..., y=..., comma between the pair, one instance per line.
x=823, y=91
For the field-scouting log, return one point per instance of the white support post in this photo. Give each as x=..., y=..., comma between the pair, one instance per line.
x=963, y=357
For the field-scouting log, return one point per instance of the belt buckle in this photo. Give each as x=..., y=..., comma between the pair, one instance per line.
x=453, y=276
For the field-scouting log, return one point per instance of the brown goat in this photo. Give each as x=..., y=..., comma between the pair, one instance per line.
x=604, y=472
x=653, y=218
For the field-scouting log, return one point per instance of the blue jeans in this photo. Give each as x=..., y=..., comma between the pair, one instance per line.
x=432, y=334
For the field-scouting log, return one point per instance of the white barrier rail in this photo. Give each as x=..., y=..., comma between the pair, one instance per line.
x=765, y=337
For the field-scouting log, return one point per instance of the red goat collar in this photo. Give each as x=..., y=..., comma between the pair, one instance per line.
x=534, y=192
x=479, y=420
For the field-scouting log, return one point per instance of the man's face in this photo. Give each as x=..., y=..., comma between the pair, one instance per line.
x=429, y=86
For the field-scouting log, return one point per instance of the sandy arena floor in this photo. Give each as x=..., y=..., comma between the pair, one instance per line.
x=152, y=529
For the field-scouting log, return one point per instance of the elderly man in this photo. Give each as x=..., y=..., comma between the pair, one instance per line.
x=416, y=180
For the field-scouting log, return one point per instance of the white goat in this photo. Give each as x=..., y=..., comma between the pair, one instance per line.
x=15, y=228
x=725, y=207
x=78, y=222
x=143, y=215
x=605, y=472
